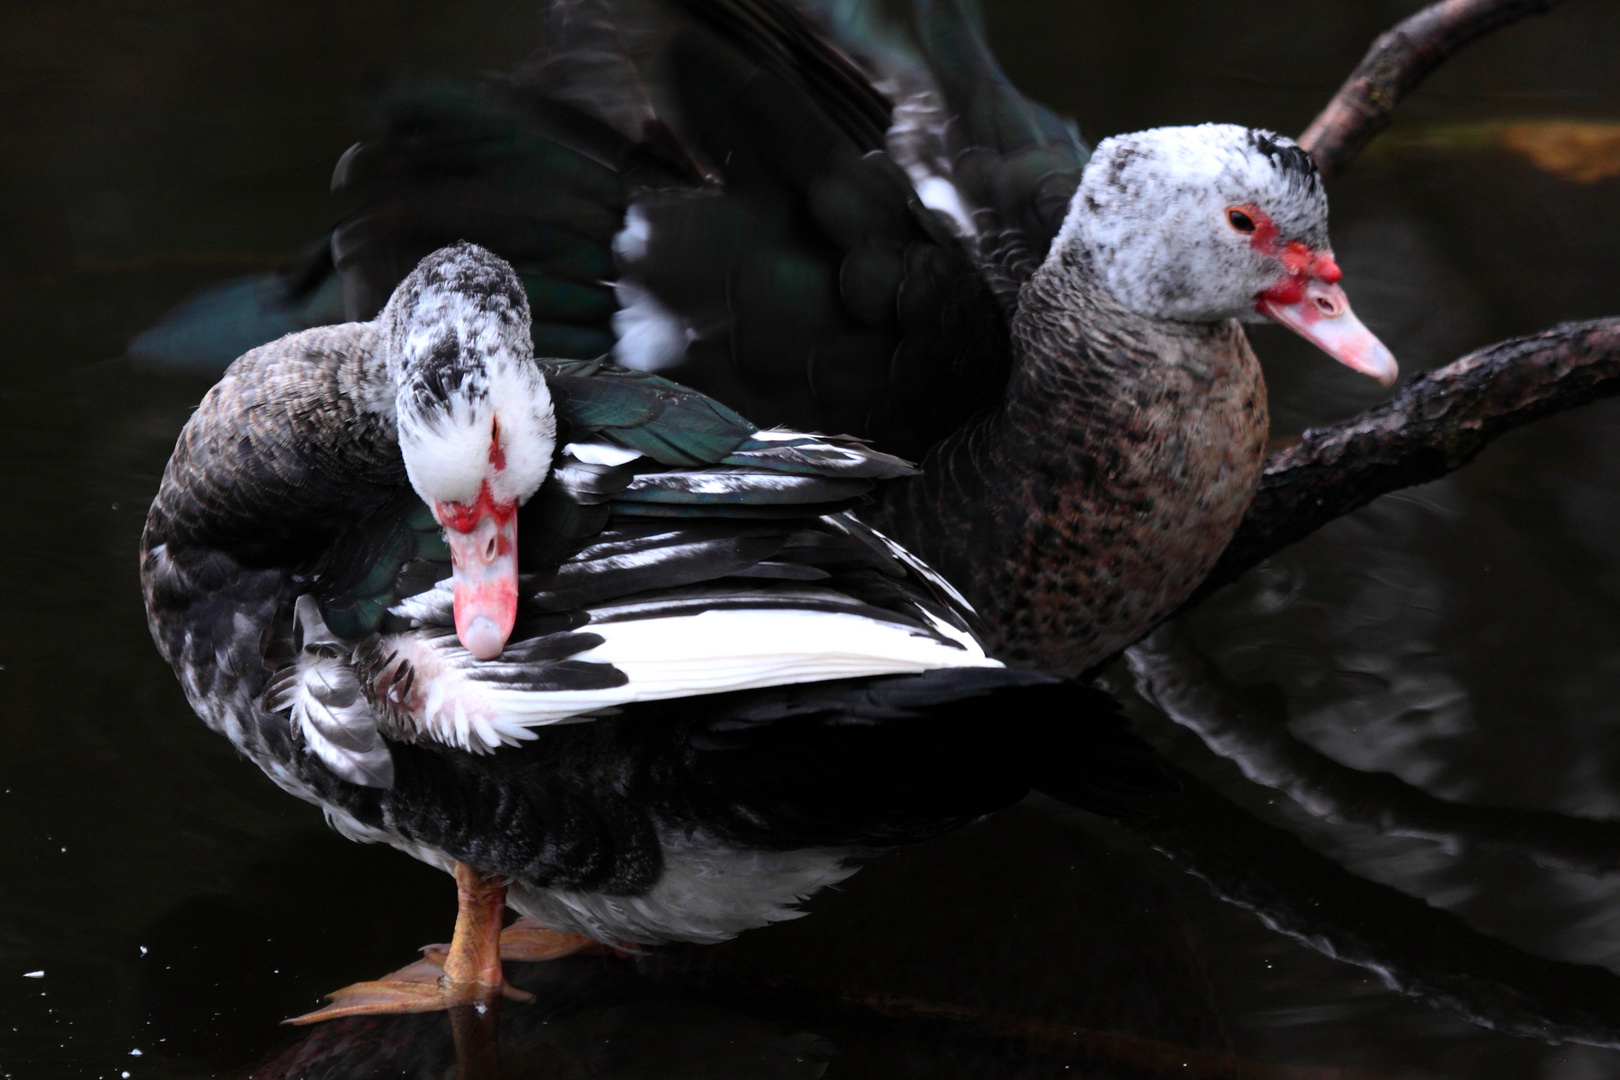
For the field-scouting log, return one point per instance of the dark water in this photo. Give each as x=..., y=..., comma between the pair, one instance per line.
x=1464, y=637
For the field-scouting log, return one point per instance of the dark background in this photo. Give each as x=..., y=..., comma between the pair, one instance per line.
x=1464, y=636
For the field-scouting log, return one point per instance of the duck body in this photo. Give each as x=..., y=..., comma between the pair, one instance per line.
x=834, y=223
x=717, y=686
x=1150, y=436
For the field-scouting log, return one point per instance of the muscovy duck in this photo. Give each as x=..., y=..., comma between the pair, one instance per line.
x=835, y=225
x=384, y=554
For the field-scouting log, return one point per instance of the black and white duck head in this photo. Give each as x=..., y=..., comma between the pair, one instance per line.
x=1201, y=224
x=476, y=425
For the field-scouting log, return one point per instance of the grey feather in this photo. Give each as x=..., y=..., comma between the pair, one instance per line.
x=321, y=695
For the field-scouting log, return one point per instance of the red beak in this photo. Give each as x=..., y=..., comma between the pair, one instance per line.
x=485, y=574
x=1315, y=308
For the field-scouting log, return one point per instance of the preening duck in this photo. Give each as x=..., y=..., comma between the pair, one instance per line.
x=835, y=223
x=387, y=557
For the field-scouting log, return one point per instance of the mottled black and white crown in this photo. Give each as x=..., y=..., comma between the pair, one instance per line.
x=1187, y=223
x=468, y=393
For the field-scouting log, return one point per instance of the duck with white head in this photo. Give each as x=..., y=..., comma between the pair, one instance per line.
x=1097, y=494
x=1200, y=224
x=294, y=565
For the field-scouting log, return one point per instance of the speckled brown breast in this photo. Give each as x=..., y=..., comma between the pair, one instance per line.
x=1100, y=494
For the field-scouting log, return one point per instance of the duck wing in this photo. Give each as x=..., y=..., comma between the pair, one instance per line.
x=673, y=551
x=810, y=287
x=714, y=189
x=770, y=254
x=653, y=608
x=975, y=147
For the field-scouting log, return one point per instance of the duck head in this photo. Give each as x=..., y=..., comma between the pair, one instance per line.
x=475, y=422
x=1213, y=222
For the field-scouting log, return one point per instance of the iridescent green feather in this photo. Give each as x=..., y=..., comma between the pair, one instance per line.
x=666, y=421
x=391, y=555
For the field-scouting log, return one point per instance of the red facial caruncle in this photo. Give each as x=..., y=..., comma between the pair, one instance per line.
x=483, y=555
x=1307, y=299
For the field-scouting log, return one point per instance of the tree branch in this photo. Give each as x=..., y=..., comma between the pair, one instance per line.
x=1400, y=59
x=1436, y=423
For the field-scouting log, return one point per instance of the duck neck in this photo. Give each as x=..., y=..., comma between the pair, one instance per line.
x=1098, y=493
x=294, y=445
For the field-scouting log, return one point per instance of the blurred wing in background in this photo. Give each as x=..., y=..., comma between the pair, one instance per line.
x=816, y=214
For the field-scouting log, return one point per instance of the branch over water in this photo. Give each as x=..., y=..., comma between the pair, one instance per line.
x=1437, y=422
x=1400, y=59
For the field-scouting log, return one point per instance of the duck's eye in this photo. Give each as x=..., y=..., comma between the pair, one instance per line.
x=1239, y=220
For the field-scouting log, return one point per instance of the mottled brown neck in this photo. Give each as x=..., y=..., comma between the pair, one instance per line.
x=1101, y=491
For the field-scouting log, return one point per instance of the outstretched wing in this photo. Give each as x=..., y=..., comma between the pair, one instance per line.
x=812, y=288
x=735, y=218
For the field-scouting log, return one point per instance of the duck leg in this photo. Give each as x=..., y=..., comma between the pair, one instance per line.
x=468, y=973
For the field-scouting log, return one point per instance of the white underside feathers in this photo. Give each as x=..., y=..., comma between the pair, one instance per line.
x=709, y=892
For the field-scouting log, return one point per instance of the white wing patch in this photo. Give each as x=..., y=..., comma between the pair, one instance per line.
x=601, y=453
x=719, y=651
x=651, y=337
x=938, y=193
x=483, y=705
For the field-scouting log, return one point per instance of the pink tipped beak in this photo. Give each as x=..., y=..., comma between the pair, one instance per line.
x=1323, y=317
x=486, y=583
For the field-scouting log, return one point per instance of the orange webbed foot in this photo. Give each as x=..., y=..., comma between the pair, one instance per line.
x=465, y=972
x=416, y=988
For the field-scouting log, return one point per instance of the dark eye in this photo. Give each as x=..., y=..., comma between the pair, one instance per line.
x=1240, y=221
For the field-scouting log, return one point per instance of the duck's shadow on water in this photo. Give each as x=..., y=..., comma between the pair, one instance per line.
x=932, y=961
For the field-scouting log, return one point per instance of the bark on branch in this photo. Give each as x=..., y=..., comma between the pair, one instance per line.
x=1400, y=59
x=1437, y=422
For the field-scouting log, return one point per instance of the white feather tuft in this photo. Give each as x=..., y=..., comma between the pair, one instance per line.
x=601, y=453
x=321, y=695
x=651, y=337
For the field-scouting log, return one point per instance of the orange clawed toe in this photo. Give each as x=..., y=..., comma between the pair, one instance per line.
x=465, y=972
